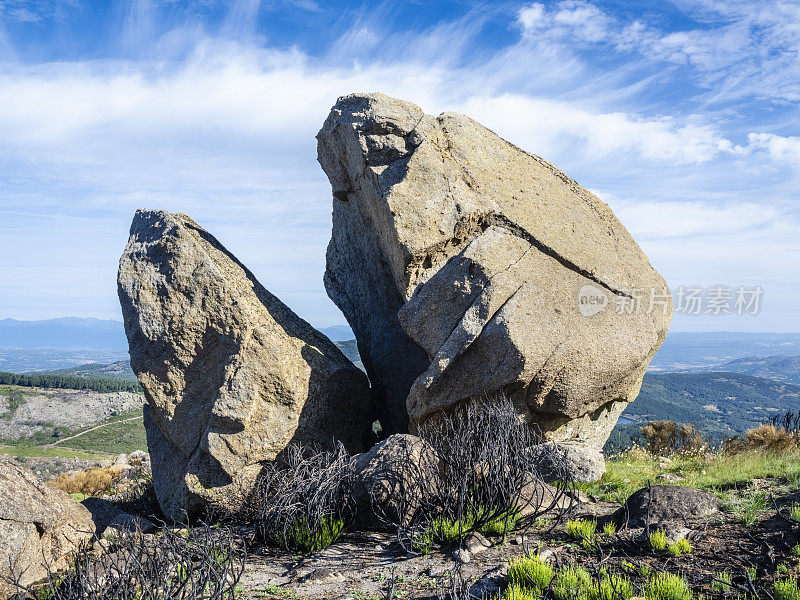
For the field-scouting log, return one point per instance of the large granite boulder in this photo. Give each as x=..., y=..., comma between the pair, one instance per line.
x=468, y=267
x=40, y=526
x=231, y=375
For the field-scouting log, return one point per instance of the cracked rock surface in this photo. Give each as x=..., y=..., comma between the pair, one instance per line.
x=459, y=260
x=231, y=375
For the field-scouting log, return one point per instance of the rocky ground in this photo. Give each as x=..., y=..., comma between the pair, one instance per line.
x=742, y=536
x=365, y=566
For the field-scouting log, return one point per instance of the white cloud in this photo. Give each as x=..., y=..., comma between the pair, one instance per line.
x=580, y=20
x=226, y=134
x=652, y=220
x=737, y=49
x=780, y=148
x=552, y=126
x=253, y=95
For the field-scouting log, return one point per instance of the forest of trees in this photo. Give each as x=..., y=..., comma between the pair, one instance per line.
x=52, y=380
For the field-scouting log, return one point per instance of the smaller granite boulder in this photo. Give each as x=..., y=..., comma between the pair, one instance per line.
x=40, y=526
x=659, y=504
x=108, y=519
x=391, y=479
x=539, y=498
x=569, y=462
x=475, y=543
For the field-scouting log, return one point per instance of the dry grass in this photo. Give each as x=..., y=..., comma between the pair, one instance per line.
x=94, y=482
x=766, y=438
x=667, y=437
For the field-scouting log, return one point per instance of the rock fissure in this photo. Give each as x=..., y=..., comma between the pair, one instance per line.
x=514, y=229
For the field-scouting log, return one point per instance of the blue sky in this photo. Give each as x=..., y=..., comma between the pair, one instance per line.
x=682, y=115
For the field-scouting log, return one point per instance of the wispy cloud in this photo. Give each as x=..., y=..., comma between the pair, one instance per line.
x=738, y=49
x=218, y=122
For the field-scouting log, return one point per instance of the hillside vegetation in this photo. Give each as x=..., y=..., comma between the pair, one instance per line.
x=779, y=368
x=69, y=382
x=49, y=422
x=116, y=370
x=721, y=405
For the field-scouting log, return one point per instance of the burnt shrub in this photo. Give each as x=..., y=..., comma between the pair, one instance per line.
x=485, y=477
x=303, y=502
x=203, y=563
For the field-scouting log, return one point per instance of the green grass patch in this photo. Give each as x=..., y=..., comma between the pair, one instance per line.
x=658, y=540
x=633, y=470
x=612, y=587
x=571, y=582
x=117, y=437
x=529, y=573
x=679, y=548
x=786, y=589
x=514, y=592
x=449, y=531
x=794, y=511
x=722, y=583
x=583, y=531
x=24, y=450
x=666, y=586
x=302, y=538
x=529, y=577
x=747, y=508
x=422, y=542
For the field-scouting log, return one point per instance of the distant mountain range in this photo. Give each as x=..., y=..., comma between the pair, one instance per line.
x=704, y=351
x=339, y=333
x=74, y=333
x=56, y=344
x=68, y=333
x=780, y=368
x=722, y=382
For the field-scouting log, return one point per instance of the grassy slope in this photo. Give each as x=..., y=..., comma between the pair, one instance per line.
x=116, y=438
x=633, y=470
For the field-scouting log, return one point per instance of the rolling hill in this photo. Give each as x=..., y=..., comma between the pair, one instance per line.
x=720, y=404
x=712, y=350
x=779, y=368
x=116, y=370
